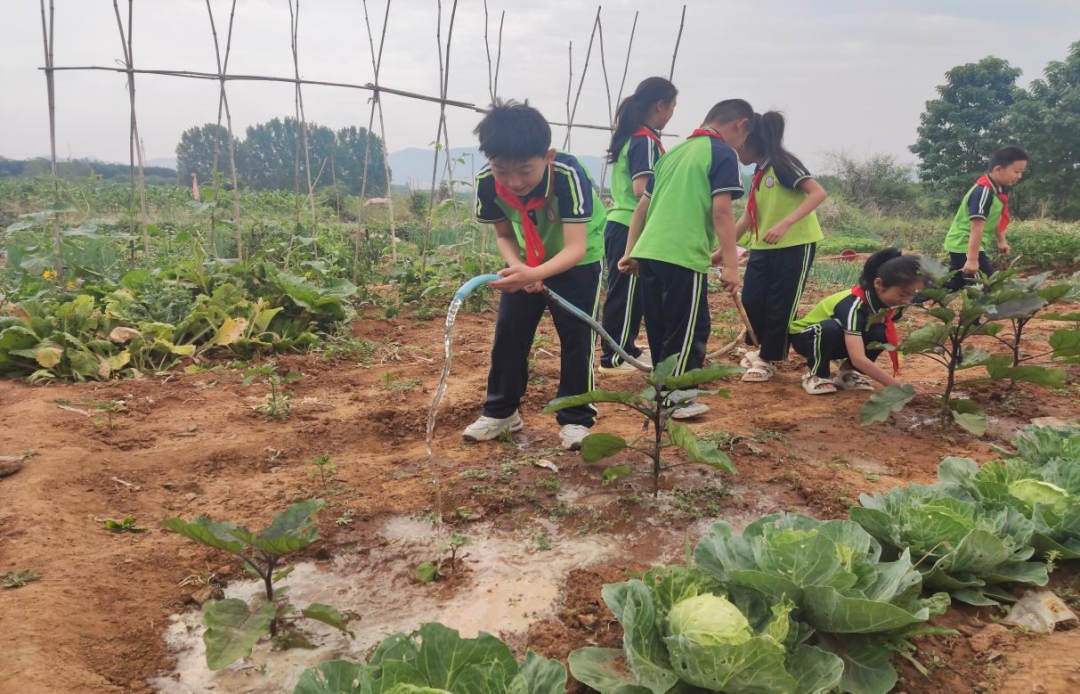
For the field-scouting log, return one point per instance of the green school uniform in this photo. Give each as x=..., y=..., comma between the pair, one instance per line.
x=854, y=314
x=981, y=202
x=571, y=197
x=777, y=196
x=679, y=227
x=637, y=158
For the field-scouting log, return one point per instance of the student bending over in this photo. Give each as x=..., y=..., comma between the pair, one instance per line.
x=843, y=325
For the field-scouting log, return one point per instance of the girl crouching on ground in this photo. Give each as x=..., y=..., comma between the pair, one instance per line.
x=844, y=325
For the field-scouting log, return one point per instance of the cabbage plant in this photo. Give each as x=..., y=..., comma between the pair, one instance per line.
x=861, y=607
x=682, y=629
x=437, y=659
x=966, y=544
x=1041, y=445
x=1047, y=495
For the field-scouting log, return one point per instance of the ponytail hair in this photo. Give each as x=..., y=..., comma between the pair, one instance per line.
x=634, y=109
x=767, y=139
x=892, y=267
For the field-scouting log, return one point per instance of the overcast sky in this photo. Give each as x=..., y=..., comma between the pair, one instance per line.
x=849, y=74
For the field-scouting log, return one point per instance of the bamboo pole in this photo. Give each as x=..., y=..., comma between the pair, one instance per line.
x=626, y=64
x=678, y=40
x=385, y=150
x=607, y=89
x=581, y=81
x=333, y=177
x=50, y=88
x=223, y=105
x=376, y=103
x=444, y=69
x=569, y=89
x=498, y=55
x=193, y=74
x=302, y=118
x=134, y=154
x=487, y=50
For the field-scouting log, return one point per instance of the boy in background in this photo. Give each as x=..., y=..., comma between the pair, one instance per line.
x=985, y=207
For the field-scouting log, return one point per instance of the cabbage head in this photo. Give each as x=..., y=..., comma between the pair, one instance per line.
x=709, y=620
x=1034, y=492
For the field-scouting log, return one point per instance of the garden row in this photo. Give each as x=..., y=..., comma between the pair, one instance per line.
x=790, y=605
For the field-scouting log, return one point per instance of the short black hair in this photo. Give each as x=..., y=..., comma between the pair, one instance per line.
x=1007, y=156
x=513, y=131
x=730, y=110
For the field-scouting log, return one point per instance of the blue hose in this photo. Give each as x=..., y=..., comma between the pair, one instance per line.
x=475, y=282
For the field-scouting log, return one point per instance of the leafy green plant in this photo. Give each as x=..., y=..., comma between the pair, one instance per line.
x=685, y=631
x=323, y=467
x=110, y=410
x=966, y=546
x=279, y=401
x=1046, y=490
x=436, y=659
x=123, y=526
x=665, y=394
x=861, y=608
x=233, y=627
x=429, y=571
x=18, y=579
x=1041, y=445
x=958, y=317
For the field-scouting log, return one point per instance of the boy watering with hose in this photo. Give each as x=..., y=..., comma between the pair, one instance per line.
x=549, y=225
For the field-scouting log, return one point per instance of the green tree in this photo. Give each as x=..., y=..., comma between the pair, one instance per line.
x=351, y=143
x=195, y=153
x=876, y=183
x=1048, y=125
x=962, y=127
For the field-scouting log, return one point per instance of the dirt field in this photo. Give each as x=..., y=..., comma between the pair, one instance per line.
x=192, y=445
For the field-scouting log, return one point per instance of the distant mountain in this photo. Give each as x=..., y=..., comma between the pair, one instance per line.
x=165, y=162
x=412, y=166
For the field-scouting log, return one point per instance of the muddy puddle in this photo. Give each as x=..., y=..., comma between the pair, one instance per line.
x=508, y=586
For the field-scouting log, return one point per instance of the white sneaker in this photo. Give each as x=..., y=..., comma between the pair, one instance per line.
x=572, y=435
x=623, y=367
x=691, y=408
x=488, y=428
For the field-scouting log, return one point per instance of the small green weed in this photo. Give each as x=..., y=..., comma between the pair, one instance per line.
x=125, y=526
x=18, y=579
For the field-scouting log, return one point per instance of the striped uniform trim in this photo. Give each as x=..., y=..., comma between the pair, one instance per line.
x=798, y=292
x=688, y=338
x=851, y=322
x=484, y=173
x=624, y=334
x=577, y=194
x=813, y=362
x=984, y=204
x=592, y=344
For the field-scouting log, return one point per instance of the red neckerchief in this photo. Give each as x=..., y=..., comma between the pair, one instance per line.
x=1003, y=223
x=646, y=132
x=705, y=132
x=534, y=247
x=891, y=336
x=751, y=204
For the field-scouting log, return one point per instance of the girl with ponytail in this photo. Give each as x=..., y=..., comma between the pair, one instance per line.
x=844, y=325
x=635, y=148
x=781, y=229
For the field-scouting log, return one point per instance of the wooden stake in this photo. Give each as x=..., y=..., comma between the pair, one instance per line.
x=223, y=105
x=581, y=81
x=607, y=88
x=302, y=118
x=626, y=65
x=50, y=87
x=134, y=154
x=678, y=40
x=444, y=71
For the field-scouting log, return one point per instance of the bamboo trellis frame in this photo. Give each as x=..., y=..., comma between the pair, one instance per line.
x=221, y=76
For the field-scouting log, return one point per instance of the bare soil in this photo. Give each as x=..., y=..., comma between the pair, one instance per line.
x=191, y=444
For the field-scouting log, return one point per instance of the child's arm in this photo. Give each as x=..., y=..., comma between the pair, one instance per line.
x=726, y=255
x=742, y=225
x=857, y=356
x=815, y=195
x=520, y=276
x=978, y=226
x=628, y=265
